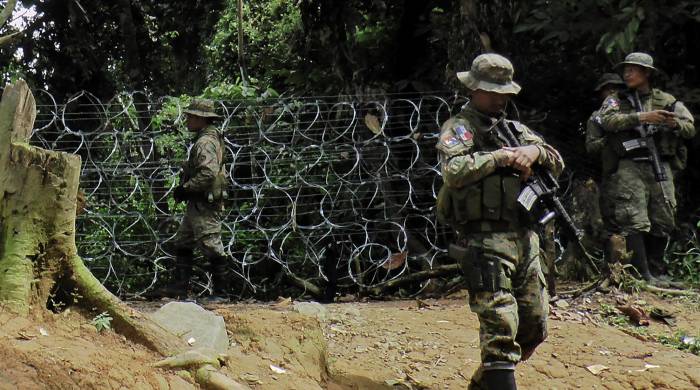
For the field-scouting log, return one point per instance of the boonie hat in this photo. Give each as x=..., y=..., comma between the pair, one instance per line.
x=202, y=107
x=608, y=78
x=492, y=73
x=638, y=58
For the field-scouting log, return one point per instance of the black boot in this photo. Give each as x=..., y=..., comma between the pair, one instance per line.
x=499, y=379
x=177, y=288
x=635, y=244
x=656, y=246
x=218, y=266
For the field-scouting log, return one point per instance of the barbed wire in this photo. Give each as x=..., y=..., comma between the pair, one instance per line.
x=323, y=189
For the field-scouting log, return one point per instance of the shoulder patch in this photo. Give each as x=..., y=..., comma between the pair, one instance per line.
x=612, y=102
x=450, y=141
x=464, y=134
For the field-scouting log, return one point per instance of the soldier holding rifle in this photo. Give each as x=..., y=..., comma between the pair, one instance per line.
x=645, y=128
x=498, y=250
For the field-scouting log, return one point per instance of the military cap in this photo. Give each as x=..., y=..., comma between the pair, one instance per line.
x=640, y=59
x=202, y=107
x=608, y=78
x=492, y=73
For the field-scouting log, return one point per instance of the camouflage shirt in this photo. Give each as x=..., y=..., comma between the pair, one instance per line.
x=204, y=162
x=595, y=140
x=618, y=113
x=464, y=162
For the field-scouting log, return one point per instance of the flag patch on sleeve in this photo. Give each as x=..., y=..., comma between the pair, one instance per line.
x=450, y=141
x=612, y=102
x=463, y=133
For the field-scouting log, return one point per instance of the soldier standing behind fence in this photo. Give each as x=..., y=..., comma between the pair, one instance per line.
x=498, y=250
x=203, y=186
x=641, y=206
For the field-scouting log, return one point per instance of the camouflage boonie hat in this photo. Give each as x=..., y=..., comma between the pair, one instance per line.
x=640, y=59
x=492, y=73
x=608, y=78
x=202, y=107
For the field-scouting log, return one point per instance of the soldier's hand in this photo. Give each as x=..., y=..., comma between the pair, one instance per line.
x=180, y=194
x=671, y=122
x=656, y=117
x=503, y=157
x=525, y=156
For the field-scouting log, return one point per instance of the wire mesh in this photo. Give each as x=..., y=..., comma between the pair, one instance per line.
x=322, y=188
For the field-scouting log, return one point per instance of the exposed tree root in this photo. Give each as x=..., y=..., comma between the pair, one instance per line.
x=668, y=291
x=206, y=364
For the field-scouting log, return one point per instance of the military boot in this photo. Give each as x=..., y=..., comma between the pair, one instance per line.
x=635, y=244
x=177, y=288
x=218, y=266
x=656, y=246
x=499, y=378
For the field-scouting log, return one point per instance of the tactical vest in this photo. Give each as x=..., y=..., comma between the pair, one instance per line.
x=487, y=205
x=669, y=146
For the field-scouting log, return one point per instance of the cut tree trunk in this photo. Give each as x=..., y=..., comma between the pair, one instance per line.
x=38, y=193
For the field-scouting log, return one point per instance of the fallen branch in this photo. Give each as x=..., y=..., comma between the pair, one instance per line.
x=419, y=276
x=669, y=291
x=305, y=285
x=586, y=288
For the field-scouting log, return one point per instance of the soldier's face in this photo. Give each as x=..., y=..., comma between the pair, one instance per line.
x=489, y=102
x=607, y=91
x=195, y=123
x=635, y=76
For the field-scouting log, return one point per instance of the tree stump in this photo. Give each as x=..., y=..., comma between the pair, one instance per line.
x=38, y=194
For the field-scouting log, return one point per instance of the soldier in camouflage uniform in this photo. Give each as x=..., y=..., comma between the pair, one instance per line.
x=641, y=209
x=203, y=186
x=498, y=251
x=608, y=84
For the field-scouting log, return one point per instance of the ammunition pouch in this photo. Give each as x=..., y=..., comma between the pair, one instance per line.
x=482, y=273
x=492, y=199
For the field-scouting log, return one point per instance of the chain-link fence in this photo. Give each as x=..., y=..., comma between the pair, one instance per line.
x=324, y=190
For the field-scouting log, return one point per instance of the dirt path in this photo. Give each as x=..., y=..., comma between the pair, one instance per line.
x=429, y=344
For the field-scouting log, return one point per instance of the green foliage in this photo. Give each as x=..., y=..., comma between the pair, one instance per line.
x=681, y=340
x=102, y=321
x=684, y=260
x=615, y=27
x=271, y=28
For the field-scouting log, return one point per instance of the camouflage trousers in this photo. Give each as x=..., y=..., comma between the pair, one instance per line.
x=201, y=228
x=513, y=318
x=633, y=201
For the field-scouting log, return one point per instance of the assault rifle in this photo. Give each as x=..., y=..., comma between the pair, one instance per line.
x=541, y=190
x=646, y=142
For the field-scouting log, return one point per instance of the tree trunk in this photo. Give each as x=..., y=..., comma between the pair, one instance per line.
x=38, y=192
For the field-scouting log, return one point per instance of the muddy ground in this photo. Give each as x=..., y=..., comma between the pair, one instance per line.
x=410, y=344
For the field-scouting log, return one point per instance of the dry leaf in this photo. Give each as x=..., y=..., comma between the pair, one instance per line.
x=596, y=369
x=277, y=369
x=372, y=123
x=395, y=261
x=283, y=302
x=636, y=314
